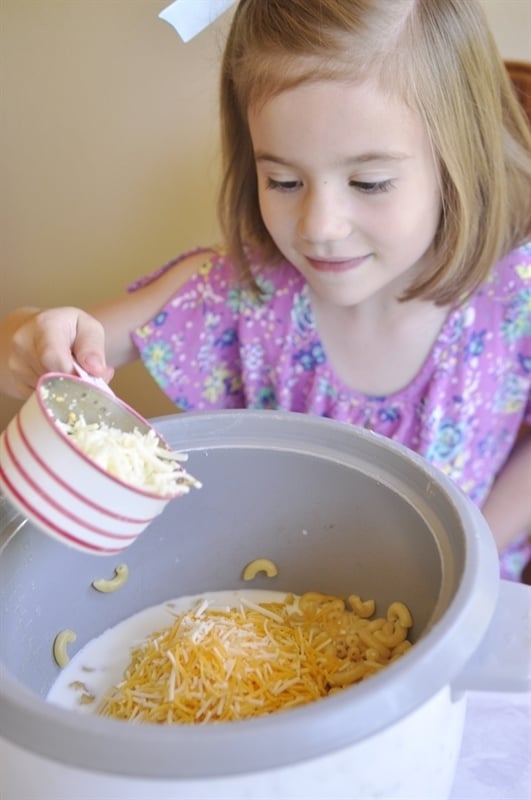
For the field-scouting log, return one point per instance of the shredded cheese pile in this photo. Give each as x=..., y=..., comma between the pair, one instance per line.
x=138, y=459
x=231, y=664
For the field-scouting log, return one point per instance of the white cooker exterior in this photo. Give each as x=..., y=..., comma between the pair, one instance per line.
x=414, y=759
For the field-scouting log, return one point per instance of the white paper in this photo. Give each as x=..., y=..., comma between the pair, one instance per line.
x=190, y=17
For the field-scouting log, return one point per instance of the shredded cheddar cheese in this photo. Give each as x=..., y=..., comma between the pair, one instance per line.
x=229, y=664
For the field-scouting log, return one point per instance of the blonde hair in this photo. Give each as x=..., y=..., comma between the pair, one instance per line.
x=441, y=57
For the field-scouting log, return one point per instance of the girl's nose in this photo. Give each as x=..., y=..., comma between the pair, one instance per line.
x=323, y=217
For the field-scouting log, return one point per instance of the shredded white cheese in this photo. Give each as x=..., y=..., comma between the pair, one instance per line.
x=136, y=458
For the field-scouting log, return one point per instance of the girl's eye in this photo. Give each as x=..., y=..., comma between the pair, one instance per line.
x=372, y=187
x=283, y=186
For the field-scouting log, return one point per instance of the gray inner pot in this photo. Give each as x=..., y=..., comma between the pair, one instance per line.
x=338, y=509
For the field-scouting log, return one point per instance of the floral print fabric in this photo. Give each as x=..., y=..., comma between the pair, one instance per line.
x=215, y=345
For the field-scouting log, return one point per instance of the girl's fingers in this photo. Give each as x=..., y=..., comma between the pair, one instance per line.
x=50, y=339
x=89, y=347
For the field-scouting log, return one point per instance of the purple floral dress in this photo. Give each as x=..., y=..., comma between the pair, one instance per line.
x=214, y=345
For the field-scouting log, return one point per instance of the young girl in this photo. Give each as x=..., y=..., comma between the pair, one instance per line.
x=376, y=205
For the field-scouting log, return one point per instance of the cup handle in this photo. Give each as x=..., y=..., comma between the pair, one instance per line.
x=502, y=662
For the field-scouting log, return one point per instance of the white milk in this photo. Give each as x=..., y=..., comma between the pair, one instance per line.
x=100, y=664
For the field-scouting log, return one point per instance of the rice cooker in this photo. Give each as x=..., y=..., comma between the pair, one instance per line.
x=339, y=510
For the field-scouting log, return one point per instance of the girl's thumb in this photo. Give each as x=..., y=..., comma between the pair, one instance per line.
x=89, y=347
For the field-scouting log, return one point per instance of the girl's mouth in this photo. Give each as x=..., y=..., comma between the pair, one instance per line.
x=336, y=265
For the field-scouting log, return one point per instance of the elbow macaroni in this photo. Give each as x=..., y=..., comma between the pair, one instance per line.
x=121, y=573
x=400, y=613
x=260, y=565
x=361, y=608
x=61, y=641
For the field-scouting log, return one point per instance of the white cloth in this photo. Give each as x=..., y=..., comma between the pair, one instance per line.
x=495, y=759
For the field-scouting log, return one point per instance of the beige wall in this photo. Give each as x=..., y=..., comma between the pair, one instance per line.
x=108, y=149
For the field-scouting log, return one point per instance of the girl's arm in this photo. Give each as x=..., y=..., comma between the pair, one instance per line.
x=121, y=316
x=507, y=509
x=33, y=342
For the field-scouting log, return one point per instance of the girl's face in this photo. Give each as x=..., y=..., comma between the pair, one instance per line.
x=348, y=188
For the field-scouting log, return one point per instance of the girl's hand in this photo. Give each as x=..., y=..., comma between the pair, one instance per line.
x=47, y=341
